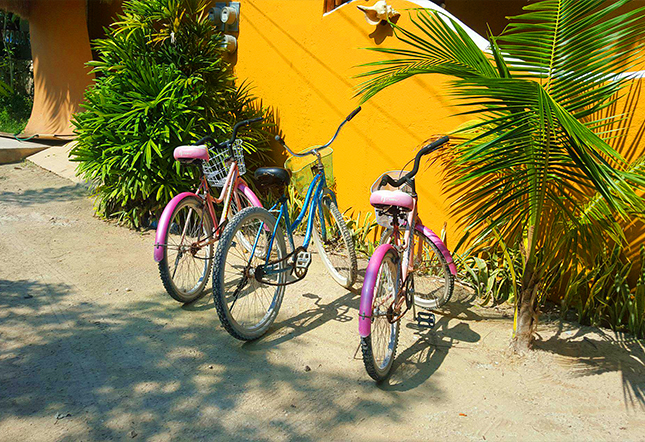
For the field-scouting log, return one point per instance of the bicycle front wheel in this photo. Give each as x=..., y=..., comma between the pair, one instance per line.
x=186, y=263
x=334, y=243
x=433, y=281
x=379, y=347
x=245, y=305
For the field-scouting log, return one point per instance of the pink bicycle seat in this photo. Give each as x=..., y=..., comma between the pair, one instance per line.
x=397, y=198
x=191, y=153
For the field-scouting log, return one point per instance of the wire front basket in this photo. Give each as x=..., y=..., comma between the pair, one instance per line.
x=218, y=165
x=383, y=218
x=301, y=169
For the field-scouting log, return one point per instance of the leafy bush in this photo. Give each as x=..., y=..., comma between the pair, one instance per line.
x=16, y=84
x=602, y=294
x=15, y=109
x=161, y=82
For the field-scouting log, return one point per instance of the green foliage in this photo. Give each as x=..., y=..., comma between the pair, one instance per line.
x=602, y=294
x=539, y=150
x=362, y=228
x=492, y=275
x=161, y=82
x=16, y=85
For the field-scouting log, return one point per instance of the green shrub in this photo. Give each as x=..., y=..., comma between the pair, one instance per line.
x=161, y=82
x=16, y=77
x=15, y=109
x=602, y=294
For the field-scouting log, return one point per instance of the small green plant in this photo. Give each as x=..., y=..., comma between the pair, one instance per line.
x=491, y=275
x=162, y=81
x=362, y=228
x=603, y=296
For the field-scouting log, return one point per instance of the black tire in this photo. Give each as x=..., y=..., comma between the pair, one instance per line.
x=433, y=281
x=337, y=251
x=231, y=259
x=184, y=270
x=379, y=347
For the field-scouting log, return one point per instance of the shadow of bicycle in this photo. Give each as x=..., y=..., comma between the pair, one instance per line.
x=417, y=363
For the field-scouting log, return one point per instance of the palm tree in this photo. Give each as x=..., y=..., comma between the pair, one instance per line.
x=538, y=151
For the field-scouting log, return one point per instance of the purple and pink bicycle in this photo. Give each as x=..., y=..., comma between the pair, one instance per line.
x=188, y=227
x=411, y=268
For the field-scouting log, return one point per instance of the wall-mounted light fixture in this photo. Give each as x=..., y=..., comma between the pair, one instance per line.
x=230, y=43
x=226, y=16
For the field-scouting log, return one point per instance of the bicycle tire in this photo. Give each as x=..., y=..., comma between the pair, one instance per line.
x=186, y=292
x=340, y=263
x=230, y=258
x=379, y=347
x=434, y=288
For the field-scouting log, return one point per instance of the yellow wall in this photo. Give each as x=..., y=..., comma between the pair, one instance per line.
x=302, y=64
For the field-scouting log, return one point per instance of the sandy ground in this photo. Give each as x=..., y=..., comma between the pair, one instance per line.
x=91, y=348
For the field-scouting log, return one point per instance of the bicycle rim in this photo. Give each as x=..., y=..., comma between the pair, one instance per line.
x=188, y=264
x=335, y=245
x=433, y=281
x=246, y=306
x=380, y=351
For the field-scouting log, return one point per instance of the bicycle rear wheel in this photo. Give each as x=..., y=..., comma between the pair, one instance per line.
x=246, y=306
x=433, y=281
x=335, y=244
x=379, y=347
x=186, y=265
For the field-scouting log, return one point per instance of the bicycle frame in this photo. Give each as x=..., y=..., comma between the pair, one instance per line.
x=203, y=193
x=403, y=246
x=317, y=189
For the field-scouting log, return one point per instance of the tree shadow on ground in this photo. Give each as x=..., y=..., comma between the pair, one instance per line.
x=290, y=328
x=592, y=351
x=108, y=369
x=46, y=195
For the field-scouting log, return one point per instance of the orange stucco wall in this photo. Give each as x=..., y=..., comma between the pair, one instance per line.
x=302, y=64
x=60, y=48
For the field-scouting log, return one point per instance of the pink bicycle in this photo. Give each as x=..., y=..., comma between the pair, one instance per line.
x=412, y=267
x=188, y=226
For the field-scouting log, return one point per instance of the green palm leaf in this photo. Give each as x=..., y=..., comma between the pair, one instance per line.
x=538, y=151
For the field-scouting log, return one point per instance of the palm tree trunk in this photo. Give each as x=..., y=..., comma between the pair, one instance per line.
x=526, y=314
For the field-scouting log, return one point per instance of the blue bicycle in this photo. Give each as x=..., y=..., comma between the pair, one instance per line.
x=252, y=264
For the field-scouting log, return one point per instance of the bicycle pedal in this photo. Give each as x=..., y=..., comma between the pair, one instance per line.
x=303, y=260
x=425, y=319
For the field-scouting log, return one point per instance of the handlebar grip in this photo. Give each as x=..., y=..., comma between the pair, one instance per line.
x=434, y=145
x=203, y=140
x=279, y=139
x=353, y=114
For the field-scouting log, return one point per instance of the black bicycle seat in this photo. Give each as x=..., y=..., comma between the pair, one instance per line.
x=272, y=176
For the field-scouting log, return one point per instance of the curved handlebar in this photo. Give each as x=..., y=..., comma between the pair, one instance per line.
x=313, y=151
x=228, y=143
x=424, y=151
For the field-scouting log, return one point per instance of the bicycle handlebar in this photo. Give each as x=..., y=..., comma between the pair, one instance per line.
x=424, y=151
x=314, y=150
x=228, y=143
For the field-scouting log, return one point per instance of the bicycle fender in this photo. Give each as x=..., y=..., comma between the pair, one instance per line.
x=164, y=220
x=367, y=294
x=246, y=190
x=440, y=245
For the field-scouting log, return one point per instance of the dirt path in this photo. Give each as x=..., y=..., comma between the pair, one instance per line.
x=92, y=349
